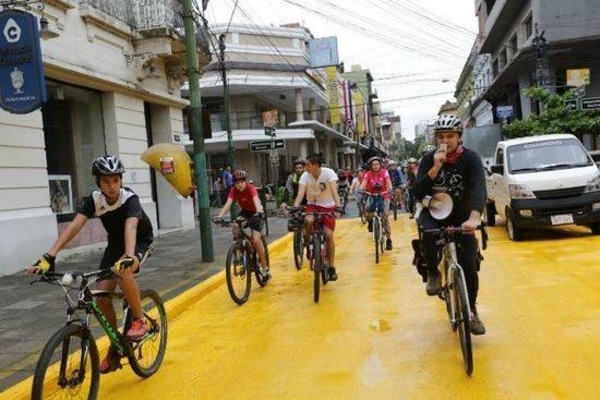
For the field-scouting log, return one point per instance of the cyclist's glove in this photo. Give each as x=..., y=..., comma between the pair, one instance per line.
x=218, y=220
x=123, y=263
x=259, y=215
x=45, y=263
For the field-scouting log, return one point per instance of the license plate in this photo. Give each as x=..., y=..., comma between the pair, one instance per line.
x=561, y=219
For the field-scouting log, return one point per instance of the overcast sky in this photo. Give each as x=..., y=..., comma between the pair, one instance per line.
x=414, y=49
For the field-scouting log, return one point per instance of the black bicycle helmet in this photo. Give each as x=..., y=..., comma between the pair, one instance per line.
x=447, y=122
x=107, y=165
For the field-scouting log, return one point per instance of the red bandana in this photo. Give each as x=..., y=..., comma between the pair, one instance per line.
x=452, y=158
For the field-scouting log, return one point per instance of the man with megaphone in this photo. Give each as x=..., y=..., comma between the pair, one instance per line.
x=451, y=186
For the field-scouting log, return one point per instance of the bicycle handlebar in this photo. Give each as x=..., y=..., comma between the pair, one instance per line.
x=451, y=230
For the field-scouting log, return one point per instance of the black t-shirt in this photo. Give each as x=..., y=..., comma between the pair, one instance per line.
x=113, y=216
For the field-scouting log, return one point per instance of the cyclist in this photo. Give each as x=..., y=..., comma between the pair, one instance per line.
x=411, y=178
x=129, y=237
x=457, y=171
x=343, y=185
x=251, y=208
x=291, y=185
x=398, y=180
x=377, y=180
x=319, y=185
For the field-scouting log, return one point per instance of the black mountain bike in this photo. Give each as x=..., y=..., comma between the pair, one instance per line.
x=69, y=364
x=242, y=262
x=454, y=288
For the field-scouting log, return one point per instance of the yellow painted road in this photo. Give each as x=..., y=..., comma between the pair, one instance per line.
x=376, y=335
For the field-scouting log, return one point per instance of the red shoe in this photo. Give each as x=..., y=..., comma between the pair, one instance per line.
x=138, y=329
x=110, y=363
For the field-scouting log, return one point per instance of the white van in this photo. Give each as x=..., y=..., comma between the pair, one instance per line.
x=541, y=181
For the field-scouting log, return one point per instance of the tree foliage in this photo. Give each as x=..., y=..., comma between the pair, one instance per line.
x=556, y=117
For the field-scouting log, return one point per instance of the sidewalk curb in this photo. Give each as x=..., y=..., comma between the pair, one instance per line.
x=173, y=307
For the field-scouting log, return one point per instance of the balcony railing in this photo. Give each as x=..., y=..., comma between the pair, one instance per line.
x=142, y=14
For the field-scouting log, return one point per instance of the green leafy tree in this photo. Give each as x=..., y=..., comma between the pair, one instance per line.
x=556, y=117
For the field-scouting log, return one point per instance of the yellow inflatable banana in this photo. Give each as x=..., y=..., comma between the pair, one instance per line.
x=173, y=163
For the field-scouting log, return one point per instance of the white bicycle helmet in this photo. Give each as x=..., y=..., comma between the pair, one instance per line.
x=447, y=122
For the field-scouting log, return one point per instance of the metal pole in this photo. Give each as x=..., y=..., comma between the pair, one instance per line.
x=230, y=149
x=196, y=130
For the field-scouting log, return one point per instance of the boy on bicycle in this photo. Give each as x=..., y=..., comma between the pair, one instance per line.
x=319, y=184
x=457, y=171
x=129, y=236
x=377, y=180
x=251, y=208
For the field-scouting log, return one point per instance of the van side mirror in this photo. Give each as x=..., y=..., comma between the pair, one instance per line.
x=497, y=169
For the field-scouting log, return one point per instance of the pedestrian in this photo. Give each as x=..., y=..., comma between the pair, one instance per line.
x=292, y=182
x=129, y=237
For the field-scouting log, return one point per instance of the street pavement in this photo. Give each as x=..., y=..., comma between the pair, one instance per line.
x=30, y=314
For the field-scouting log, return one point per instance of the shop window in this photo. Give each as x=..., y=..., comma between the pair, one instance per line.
x=74, y=137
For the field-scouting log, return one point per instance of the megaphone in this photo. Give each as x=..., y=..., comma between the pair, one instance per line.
x=173, y=163
x=440, y=205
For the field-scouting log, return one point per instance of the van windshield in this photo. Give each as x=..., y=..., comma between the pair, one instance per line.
x=547, y=155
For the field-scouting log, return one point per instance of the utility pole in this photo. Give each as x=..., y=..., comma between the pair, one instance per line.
x=196, y=130
x=230, y=148
x=541, y=48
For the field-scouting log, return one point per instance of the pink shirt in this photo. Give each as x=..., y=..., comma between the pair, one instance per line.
x=381, y=177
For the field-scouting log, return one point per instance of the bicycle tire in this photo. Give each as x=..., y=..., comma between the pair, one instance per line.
x=298, y=250
x=146, y=356
x=361, y=213
x=238, y=274
x=462, y=317
x=317, y=266
x=257, y=273
x=376, y=237
x=77, y=343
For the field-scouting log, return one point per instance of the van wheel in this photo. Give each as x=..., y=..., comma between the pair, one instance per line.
x=489, y=212
x=595, y=229
x=515, y=234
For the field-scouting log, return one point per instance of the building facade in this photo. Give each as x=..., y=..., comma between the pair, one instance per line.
x=268, y=72
x=113, y=75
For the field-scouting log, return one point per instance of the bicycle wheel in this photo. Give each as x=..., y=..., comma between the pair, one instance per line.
x=462, y=317
x=298, y=249
x=146, y=356
x=361, y=212
x=259, y=277
x=238, y=274
x=68, y=366
x=317, y=267
x=376, y=237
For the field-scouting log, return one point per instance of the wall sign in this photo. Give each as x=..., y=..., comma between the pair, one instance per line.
x=22, y=84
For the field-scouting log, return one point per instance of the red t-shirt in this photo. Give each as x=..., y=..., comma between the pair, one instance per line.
x=244, y=197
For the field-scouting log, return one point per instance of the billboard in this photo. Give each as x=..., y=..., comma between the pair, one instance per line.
x=323, y=52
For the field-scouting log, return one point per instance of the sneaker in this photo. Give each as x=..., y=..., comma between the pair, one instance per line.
x=266, y=273
x=434, y=284
x=370, y=225
x=111, y=362
x=138, y=329
x=332, y=274
x=388, y=244
x=477, y=327
x=411, y=216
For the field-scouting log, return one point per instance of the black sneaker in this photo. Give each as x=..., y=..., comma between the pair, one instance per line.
x=370, y=225
x=332, y=274
x=434, y=284
x=388, y=244
x=475, y=324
